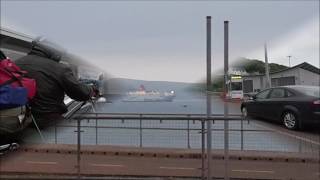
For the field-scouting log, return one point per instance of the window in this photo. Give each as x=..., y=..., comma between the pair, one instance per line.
x=236, y=86
x=289, y=94
x=277, y=93
x=263, y=94
x=283, y=81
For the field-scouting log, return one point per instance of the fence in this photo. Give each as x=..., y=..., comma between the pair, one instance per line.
x=179, y=131
x=185, y=131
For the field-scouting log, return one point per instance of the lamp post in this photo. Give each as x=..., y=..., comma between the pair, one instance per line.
x=289, y=57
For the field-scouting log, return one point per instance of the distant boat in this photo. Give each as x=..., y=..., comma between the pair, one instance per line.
x=142, y=95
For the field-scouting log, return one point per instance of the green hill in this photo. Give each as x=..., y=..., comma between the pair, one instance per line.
x=257, y=66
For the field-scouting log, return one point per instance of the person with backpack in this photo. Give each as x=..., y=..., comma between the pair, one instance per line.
x=53, y=80
x=15, y=93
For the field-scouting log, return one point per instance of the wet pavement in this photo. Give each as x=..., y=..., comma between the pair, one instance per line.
x=243, y=134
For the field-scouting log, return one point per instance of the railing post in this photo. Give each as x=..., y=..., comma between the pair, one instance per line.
x=55, y=132
x=203, y=168
x=242, y=132
x=96, y=129
x=140, y=130
x=188, y=133
x=300, y=146
x=78, y=148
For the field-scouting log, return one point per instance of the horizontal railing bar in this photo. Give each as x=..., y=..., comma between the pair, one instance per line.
x=144, y=128
x=160, y=114
x=155, y=118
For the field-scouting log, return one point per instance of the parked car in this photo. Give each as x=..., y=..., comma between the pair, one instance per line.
x=293, y=106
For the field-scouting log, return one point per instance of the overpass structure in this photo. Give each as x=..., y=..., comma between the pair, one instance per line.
x=16, y=45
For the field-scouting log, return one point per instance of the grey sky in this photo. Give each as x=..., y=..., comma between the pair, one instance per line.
x=166, y=40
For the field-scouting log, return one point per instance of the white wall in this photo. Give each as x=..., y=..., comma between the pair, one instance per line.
x=256, y=81
x=302, y=77
x=292, y=72
x=309, y=78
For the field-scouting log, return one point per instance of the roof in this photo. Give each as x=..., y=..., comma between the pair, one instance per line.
x=304, y=65
x=309, y=67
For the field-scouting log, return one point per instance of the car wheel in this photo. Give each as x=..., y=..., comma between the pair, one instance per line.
x=244, y=112
x=290, y=120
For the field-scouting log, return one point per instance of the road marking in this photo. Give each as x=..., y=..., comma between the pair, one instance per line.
x=252, y=171
x=42, y=162
x=176, y=168
x=288, y=134
x=107, y=165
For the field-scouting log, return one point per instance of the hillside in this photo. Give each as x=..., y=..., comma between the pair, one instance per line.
x=257, y=66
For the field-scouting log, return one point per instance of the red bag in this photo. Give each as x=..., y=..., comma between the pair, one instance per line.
x=11, y=74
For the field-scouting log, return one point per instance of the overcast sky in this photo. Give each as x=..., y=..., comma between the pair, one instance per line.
x=166, y=40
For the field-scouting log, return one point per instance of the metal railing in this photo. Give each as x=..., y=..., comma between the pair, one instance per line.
x=185, y=130
x=244, y=130
x=152, y=117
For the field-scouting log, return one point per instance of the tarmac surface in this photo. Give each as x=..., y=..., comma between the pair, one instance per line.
x=113, y=161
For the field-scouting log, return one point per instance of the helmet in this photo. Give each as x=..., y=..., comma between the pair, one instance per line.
x=48, y=48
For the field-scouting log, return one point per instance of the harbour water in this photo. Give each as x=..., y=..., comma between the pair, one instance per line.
x=171, y=133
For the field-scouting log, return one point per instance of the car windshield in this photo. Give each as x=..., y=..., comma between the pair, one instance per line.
x=309, y=90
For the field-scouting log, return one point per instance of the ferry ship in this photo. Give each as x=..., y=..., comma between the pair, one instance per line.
x=142, y=95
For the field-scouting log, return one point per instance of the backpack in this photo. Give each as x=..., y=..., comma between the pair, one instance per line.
x=15, y=89
x=14, y=120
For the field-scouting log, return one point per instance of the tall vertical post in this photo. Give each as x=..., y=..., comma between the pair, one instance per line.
x=268, y=81
x=209, y=138
x=289, y=60
x=225, y=90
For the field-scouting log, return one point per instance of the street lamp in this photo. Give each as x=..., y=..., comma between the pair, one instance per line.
x=289, y=60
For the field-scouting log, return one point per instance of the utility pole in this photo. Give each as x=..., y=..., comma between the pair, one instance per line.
x=268, y=81
x=289, y=60
x=209, y=88
x=226, y=108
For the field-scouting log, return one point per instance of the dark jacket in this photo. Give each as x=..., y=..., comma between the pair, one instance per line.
x=53, y=81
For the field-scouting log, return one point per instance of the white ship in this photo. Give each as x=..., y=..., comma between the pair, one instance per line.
x=142, y=95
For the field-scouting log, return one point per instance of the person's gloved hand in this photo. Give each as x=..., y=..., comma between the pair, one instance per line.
x=95, y=90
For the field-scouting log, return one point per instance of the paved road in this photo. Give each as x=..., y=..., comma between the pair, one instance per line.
x=44, y=163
